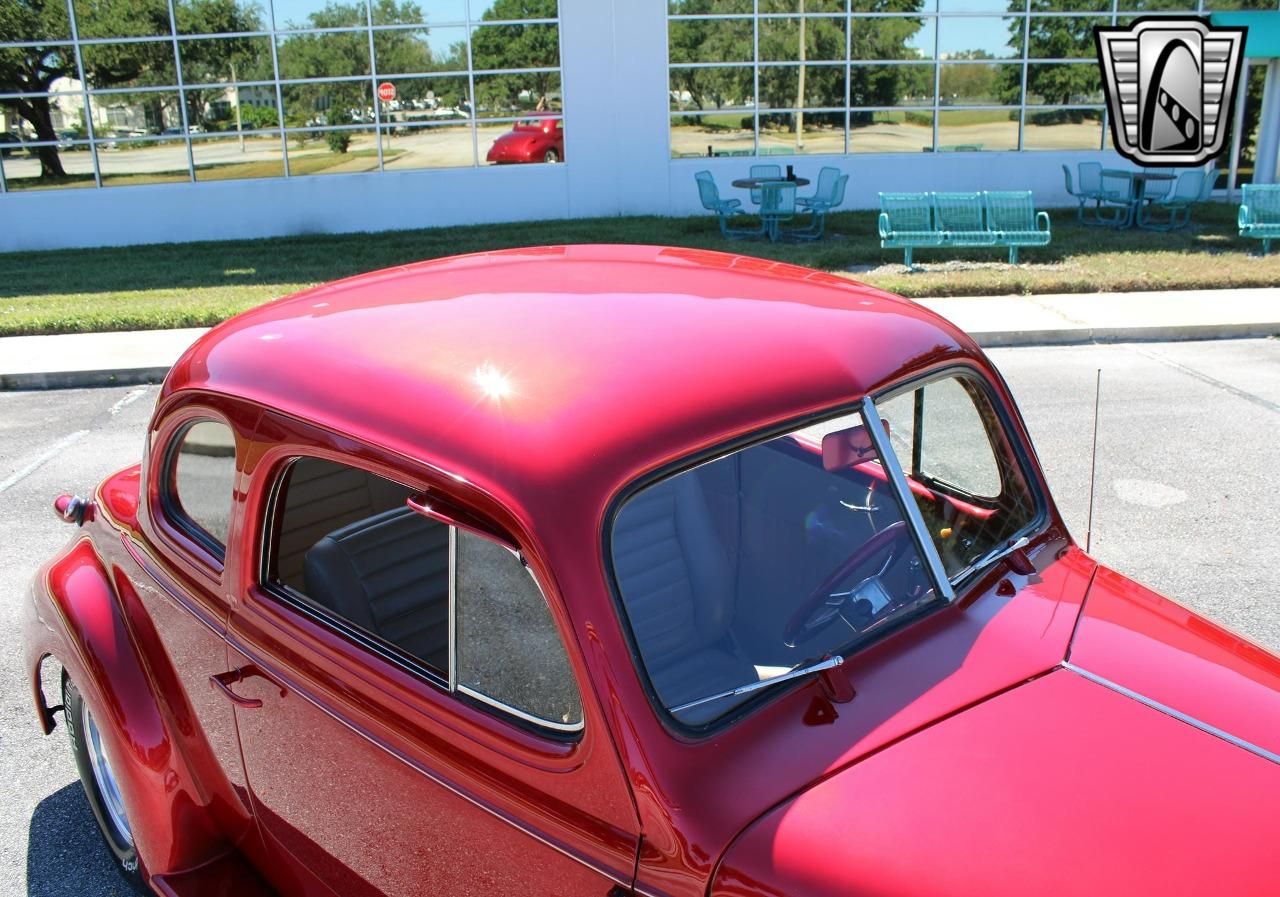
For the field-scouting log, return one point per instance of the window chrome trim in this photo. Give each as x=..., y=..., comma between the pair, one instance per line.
x=539, y=722
x=453, y=608
x=1194, y=722
x=902, y=492
x=299, y=603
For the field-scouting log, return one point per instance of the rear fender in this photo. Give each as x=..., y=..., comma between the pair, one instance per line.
x=80, y=618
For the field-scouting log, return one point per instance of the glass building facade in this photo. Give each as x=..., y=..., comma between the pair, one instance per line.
x=763, y=77
x=128, y=92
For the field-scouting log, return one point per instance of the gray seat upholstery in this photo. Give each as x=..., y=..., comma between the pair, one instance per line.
x=322, y=496
x=389, y=575
x=679, y=587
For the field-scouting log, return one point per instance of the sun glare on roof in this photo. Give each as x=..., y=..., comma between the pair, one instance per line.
x=492, y=382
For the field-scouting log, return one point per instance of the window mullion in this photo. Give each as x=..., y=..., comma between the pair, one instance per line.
x=898, y=480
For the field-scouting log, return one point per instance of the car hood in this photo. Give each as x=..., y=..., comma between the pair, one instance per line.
x=1148, y=763
x=1133, y=639
x=1061, y=786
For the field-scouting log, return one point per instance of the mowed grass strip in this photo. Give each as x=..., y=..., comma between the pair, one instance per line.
x=299, y=164
x=192, y=284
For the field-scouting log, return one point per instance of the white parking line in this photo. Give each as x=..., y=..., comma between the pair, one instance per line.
x=129, y=398
x=44, y=456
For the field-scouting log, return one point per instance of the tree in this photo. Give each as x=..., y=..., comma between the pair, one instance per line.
x=33, y=70
x=227, y=59
x=505, y=46
x=347, y=54
x=138, y=64
x=1054, y=38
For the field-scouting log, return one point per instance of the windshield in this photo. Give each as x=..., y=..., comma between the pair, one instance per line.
x=756, y=565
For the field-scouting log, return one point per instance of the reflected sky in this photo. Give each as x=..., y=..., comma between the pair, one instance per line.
x=298, y=11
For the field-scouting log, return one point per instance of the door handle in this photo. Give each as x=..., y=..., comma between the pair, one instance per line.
x=224, y=681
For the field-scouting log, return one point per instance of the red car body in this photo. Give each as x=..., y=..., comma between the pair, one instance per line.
x=538, y=139
x=1060, y=731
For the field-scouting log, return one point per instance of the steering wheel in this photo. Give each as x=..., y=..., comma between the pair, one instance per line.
x=815, y=612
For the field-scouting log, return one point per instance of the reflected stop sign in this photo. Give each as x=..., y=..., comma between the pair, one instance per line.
x=386, y=91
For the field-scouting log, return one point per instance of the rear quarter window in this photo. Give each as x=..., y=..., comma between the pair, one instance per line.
x=201, y=477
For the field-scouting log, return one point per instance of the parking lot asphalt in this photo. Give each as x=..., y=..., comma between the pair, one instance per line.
x=1185, y=503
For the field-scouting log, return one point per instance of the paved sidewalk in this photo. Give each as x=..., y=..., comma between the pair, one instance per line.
x=97, y=359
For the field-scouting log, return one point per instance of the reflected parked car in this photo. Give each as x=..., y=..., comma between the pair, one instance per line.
x=594, y=570
x=10, y=143
x=537, y=139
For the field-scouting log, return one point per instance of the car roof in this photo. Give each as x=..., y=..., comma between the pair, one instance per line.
x=528, y=371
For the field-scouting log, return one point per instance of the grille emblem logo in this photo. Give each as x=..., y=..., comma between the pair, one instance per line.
x=1170, y=85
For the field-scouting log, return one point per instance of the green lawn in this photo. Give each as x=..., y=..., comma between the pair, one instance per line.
x=181, y=285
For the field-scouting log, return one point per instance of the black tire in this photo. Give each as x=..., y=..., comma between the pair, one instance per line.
x=123, y=850
x=551, y=156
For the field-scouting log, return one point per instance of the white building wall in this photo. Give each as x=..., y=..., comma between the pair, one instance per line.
x=614, y=62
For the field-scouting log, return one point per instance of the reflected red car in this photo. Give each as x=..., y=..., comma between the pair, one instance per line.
x=609, y=570
x=537, y=139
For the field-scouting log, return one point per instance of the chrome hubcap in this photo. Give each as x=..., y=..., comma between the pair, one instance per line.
x=105, y=779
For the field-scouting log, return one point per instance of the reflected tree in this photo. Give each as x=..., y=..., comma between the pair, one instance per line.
x=33, y=70
x=229, y=59
x=1052, y=37
x=502, y=46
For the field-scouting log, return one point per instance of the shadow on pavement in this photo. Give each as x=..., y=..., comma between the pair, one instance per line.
x=65, y=854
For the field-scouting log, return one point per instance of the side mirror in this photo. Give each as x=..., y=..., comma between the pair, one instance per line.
x=844, y=448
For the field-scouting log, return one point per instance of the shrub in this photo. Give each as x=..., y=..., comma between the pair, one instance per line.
x=339, y=141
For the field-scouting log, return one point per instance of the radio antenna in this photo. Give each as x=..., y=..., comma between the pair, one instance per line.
x=1093, y=462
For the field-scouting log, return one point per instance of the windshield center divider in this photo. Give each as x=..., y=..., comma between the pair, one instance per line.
x=902, y=492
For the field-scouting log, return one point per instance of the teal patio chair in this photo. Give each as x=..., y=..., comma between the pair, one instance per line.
x=725, y=209
x=778, y=204
x=1012, y=216
x=1259, y=215
x=960, y=218
x=1191, y=187
x=1118, y=191
x=1081, y=196
x=763, y=171
x=822, y=193
x=906, y=222
x=819, y=205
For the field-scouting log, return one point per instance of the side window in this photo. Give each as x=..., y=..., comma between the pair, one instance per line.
x=949, y=438
x=508, y=649
x=202, y=471
x=345, y=544
x=954, y=446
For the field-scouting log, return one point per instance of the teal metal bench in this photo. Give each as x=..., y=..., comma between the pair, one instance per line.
x=996, y=218
x=906, y=223
x=1013, y=218
x=1259, y=216
x=960, y=218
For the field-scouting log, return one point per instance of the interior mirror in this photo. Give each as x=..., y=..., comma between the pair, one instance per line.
x=844, y=448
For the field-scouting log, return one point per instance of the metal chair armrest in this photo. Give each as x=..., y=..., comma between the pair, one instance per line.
x=882, y=224
x=1042, y=221
x=1243, y=218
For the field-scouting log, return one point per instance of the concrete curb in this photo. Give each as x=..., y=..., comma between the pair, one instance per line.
x=82, y=379
x=1075, y=336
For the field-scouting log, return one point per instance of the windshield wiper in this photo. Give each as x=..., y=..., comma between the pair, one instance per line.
x=804, y=669
x=991, y=557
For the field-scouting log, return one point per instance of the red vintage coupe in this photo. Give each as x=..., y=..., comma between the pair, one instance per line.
x=537, y=139
x=610, y=570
